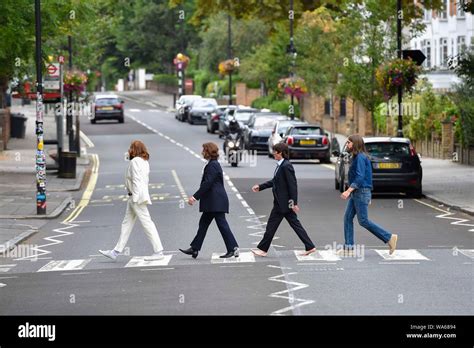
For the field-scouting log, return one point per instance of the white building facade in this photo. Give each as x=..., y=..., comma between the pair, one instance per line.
x=448, y=32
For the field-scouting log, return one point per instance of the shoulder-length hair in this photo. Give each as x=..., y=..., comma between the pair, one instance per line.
x=358, y=145
x=210, y=151
x=138, y=149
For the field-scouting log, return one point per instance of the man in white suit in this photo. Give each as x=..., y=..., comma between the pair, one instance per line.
x=136, y=182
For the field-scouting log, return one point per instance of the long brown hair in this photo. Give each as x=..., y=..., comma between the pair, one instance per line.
x=358, y=145
x=138, y=149
x=210, y=151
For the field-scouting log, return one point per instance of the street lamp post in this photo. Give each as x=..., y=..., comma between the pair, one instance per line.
x=292, y=52
x=40, y=156
x=229, y=56
x=399, y=52
x=69, y=116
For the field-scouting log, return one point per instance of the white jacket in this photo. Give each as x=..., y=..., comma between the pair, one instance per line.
x=136, y=180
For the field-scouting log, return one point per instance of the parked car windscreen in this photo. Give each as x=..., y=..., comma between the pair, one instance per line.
x=242, y=116
x=205, y=103
x=264, y=122
x=306, y=131
x=388, y=149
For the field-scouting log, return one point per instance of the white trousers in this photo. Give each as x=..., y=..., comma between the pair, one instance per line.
x=133, y=212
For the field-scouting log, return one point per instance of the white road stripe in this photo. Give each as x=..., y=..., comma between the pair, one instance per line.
x=319, y=255
x=135, y=110
x=2, y=285
x=243, y=257
x=139, y=261
x=409, y=254
x=64, y=265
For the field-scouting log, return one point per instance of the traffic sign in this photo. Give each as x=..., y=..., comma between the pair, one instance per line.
x=61, y=59
x=53, y=70
x=416, y=55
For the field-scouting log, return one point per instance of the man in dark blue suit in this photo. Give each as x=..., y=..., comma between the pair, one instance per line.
x=285, y=202
x=214, y=204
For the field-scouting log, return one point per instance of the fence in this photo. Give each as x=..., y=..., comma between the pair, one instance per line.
x=464, y=155
x=429, y=148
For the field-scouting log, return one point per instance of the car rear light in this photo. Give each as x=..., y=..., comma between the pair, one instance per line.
x=413, y=181
x=215, y=117
x=412, y=151
x=290, y=141
x=118, y=106
x=325, y=140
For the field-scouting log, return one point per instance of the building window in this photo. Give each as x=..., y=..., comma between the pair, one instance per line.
x=327, y=107
x=459, y=9
x=426, y=15
x=342, y=107
x=443, y=12
x=461, y=44
x=443, y=50
x=426, y=49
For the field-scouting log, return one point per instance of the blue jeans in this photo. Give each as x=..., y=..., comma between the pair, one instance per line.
x=358, y=205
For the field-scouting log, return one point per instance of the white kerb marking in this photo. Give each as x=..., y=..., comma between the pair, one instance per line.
x=243, y=257
x=409, y=254
x=318, y=255
x=139, y=261
x=64, y=265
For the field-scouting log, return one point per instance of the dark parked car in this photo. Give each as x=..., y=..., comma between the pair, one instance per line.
x=259, y=129
x=396, y=166
x=278, y=132
x=200, y=110
x=183, y=105
x=213, y=118
x=308, y=142
x=107, y=107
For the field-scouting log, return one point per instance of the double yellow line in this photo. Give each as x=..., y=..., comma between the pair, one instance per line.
x=88, y=192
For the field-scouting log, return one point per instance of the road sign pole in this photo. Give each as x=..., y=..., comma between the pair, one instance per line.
x=40, y=156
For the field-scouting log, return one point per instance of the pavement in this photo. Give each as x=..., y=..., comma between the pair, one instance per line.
x=18, y=181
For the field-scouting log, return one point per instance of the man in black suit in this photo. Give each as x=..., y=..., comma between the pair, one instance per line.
x=285, y=202
x=214, y=204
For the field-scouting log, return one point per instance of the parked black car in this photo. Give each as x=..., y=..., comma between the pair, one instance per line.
x=259, y=129
x=200, y=110
x=183, y=105
x=213, y=118
x=396, y=166
x=107, y=107
x=308, y=142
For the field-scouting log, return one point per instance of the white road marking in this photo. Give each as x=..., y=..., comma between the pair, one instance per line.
x=86, y=139
x=245, y=204
x=12, y=265
x=250, y=210
x=446, y=215
x=399, y=263
x=8, y=277
x=180, y=186
x=408, y=254
x=139, y=261
x=156, y=269
x=243, y=257
x=2, y=285
x=319, y=255
x=64, y=265
x=135, y=110
x=296, y=302
x=329, y=166
x=467, y=252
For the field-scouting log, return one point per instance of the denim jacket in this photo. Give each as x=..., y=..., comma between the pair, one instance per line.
x=360, y=172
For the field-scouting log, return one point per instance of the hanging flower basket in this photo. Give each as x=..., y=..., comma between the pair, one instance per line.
x=398, y=72
x=227, y=66
x=181, y=61
x=295, y=86
x=75, y=82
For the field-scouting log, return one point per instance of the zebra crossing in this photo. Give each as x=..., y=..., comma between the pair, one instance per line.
x=246, y=257
x=145, y=110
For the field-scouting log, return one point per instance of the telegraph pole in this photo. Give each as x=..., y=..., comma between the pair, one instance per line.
x=229, y=55
x=69, y=119
x=40, y=156
x=292, y=52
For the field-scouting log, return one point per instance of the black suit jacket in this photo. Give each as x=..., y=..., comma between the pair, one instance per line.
x=284, y=187
x=211, y=194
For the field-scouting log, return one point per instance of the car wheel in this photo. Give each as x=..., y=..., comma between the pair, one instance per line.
x=341, y=184
x=93, y=121
x=336, y=184
x=416, y=193
x=207, y=129
x=326, y=160
x=121, y=120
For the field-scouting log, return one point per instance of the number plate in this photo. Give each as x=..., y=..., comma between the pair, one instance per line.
x=307, y=142
x=387, y=165
x=106, y=108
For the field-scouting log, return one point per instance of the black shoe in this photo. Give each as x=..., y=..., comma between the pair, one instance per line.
x=234, y=253
x=190, y=251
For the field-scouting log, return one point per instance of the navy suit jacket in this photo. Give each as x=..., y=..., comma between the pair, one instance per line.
x=284, y=187
x=211, y=194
